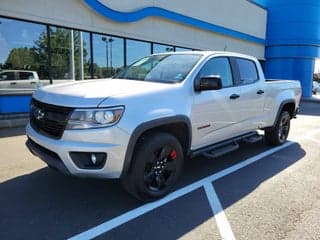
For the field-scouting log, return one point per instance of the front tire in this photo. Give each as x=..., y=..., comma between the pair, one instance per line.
x=278, y=134
x=156, y=165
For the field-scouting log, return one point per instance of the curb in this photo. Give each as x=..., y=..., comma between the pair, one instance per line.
x=311, y=99
x=14, y=120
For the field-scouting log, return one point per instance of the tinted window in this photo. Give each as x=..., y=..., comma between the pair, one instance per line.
x=7, y=76
x=220, y=67
x=247, y=70
x=26, y=75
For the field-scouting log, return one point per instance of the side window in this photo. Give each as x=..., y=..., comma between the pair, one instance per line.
x=247, y=70
x=7, y=76
x=218, y=66
x=26, y=75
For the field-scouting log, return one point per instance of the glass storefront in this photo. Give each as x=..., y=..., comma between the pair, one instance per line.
x=137, y=50
x=160, y=48
x=33, y=55
x=108, y=55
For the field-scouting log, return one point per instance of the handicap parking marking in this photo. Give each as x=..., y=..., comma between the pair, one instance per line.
x=128, y=216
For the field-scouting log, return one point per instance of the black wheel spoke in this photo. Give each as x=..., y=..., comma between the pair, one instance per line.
x=160, y=181
x=149, y=177
x=165, y=151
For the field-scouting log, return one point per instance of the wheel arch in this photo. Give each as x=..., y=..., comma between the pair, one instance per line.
x=179, y=126
x=289, y=106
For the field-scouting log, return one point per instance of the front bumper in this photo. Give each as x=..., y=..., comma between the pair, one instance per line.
x=56, y=153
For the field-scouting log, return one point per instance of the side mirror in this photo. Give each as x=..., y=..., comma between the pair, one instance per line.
x=209, y=82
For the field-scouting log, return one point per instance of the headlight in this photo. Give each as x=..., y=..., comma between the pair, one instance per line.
x=94, y=118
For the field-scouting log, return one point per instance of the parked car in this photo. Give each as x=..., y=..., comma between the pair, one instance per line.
x=315, y=87
x=143, y=124
x=18, y=79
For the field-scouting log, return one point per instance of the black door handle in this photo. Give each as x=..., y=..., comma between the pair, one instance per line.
x=13, y=83
x=234, y=96
x=260, y=92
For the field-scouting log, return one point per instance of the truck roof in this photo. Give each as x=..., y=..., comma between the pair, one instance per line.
x=208, y=53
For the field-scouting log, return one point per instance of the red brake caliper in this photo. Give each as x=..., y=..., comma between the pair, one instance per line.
x=173, y=154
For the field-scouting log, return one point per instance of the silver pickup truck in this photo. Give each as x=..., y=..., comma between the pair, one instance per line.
x=143, y=124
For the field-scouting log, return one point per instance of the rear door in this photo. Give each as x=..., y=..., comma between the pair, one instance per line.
x=252, y=94
x=214, y=112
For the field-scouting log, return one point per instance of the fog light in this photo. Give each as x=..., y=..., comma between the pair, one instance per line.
x=93, y=158
x=88, y=160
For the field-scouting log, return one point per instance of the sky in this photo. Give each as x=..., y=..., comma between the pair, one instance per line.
x=317, y=66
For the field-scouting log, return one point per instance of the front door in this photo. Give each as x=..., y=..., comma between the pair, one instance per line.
x=214, y=112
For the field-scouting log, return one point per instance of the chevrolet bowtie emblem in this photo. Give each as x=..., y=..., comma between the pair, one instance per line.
x=38, y=114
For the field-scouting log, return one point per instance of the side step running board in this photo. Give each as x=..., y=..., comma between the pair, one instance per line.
x=221, y=150
x=252, y=139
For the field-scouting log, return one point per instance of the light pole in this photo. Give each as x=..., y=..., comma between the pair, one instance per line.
x=110, y=41
x=105, y=39
x=169, y=49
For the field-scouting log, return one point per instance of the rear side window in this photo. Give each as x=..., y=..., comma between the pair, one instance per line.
x=247, y=70
x=26, y=75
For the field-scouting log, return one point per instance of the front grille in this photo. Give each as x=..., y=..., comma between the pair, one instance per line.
x=48, y=119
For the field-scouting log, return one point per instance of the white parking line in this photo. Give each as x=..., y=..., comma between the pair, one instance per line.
x=221, y=219
x=128, y=216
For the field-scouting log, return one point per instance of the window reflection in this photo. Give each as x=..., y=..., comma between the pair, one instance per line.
x=31, y=54
x=82, y=60
x=137, y=50
x=62, y=54
x=159, y=48
x=23, y=58
x=108, y=55
x=180, y=49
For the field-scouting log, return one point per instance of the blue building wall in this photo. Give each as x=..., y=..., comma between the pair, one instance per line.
x=14, y=103
x=293, y=40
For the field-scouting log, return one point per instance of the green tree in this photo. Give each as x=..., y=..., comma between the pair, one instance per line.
x=20, y=58
x=36, y=58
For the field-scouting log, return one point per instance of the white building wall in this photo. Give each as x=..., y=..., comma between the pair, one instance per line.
x=238, y=15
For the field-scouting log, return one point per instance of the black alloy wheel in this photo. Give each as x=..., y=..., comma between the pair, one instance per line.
x=155, y=167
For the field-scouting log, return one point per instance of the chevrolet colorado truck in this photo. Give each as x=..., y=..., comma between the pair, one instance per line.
x=141, y=125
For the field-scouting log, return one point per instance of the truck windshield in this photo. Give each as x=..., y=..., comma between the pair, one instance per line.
x=164, y=68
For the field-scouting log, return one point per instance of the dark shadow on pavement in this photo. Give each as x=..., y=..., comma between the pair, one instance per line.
x=310, y=108
x=239, y=184
x=48, y=205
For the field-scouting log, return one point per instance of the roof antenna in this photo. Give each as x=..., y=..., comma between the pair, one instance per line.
x=225, y=48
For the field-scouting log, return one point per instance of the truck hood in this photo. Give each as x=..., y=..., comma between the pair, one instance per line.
x=91, y=93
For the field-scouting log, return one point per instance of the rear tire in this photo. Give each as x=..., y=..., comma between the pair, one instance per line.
x=278, y=134
x=156, y=165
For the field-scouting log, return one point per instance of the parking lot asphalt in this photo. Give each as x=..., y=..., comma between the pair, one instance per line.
x=257, y=192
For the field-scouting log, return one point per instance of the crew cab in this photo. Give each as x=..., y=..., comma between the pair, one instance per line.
x=141, y=125
x=18, y=79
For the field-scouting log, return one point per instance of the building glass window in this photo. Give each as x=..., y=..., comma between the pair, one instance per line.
x=137, y=50
x=63, y=56
x=159, y=48
x=82, y=60
x=108, y=55
x=180, y=49
x=23, y=58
